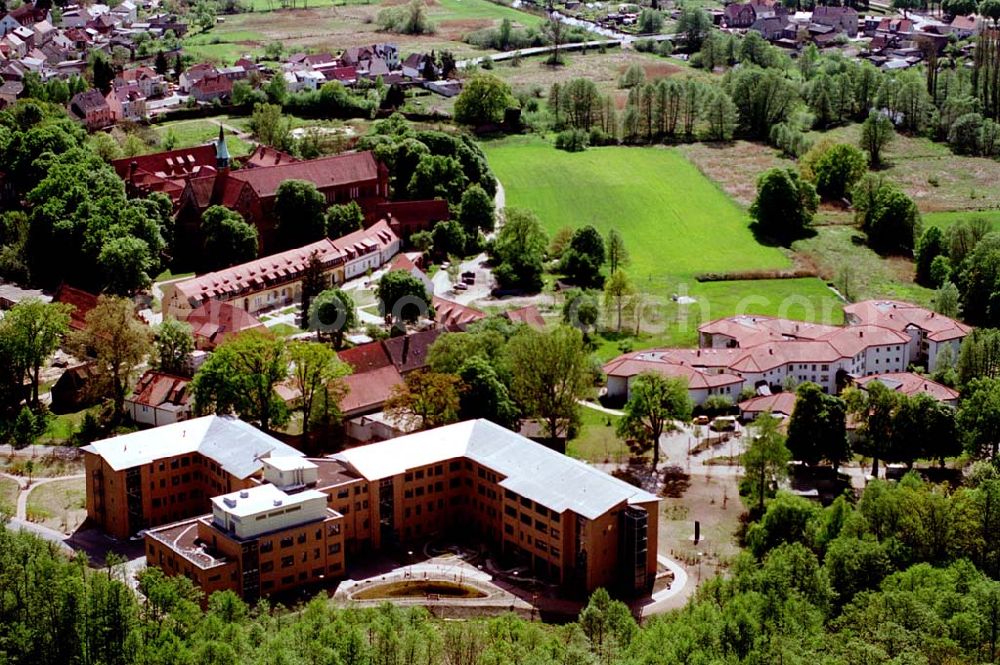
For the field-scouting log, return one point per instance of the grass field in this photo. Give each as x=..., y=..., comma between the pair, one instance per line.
x=945, y=220
x=190, y=133
x=59, y=505
x=8, y=495
x=676, y=224
x=596, y=440
x=326, y=25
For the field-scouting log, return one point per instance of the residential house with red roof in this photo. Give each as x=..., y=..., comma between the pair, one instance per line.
x=127, y=102
x=81, y=301
x=159, y=399
x=528, y=315
x=212, y=87
x=91, y=109
x=453, y=316
x=214, y=322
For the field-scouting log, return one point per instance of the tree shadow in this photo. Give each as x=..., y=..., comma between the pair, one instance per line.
x=770, y=240
x=675, y=482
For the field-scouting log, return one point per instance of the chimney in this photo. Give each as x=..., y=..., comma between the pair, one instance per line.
x=861, y=333
x=770, y=351
x=244, y=494
x=406, y=348
x=132, y=168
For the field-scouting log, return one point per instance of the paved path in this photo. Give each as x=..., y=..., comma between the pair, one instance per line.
x=26, y=490
x=598, y=407
x=537, y=50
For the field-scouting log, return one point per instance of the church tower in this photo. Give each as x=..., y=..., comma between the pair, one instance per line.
x=221, y=152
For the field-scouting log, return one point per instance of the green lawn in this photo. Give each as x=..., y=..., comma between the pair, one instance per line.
x=946, y=219
x=676, y=224
x=596, y=441
x=8, y=495
x=62, y=427
x=465, y=10
x=190, y=133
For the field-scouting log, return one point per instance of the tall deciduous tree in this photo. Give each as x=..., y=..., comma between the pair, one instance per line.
x=343, y=218
x=784, y=206
x=617, y=291
x=240, y=376
x=549, y=375
x=333, y=313
x=817, y=429
x=873, y=408
x=922, y=428
x=313, y=367
x=174, y=342
x=34, y=329
x=877, y=132
x=978, y=417
x=583, y=260
x=476, y=212
x=519, y=251
x=765, y=462
x=403, y=296
x=425, y=400
x=654, y=403
x=227, y=239
x=300, y=209
x=118, y=341
x=483, y=100
x=484, y=395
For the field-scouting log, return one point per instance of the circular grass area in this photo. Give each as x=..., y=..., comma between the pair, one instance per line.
x=418, y=589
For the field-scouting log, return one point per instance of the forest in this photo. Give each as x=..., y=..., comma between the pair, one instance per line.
x=907, y=574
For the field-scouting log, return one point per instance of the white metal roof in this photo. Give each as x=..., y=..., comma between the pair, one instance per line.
x=262, y=499
x=530, y=469
x=289, y=462
x=233, y=444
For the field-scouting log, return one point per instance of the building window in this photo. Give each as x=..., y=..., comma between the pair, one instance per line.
x=334, y=549
x=287, y=561
x=287, y=541
x=267, y=566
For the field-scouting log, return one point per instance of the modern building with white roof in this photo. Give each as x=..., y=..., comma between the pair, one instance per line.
x=159, y=475
x=561, y=519
x=564, y=519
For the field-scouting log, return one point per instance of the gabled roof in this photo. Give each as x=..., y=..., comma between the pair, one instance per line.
x=533, y=471
x=783, y=403
x=254, y=275
x=369, y=390
x=409, y=352
x=528, y=315
x=454, y=316
x=366, y=357
x=263, y=156
x=337, y=170
x=236, y=446
x=215, y=319
x=81, y=301
x=901, y=315
x=91, y=100
x=156, y=389
x=909, y=383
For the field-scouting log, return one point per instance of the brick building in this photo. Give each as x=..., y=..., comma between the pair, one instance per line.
x=567, y=521
x=151, y=477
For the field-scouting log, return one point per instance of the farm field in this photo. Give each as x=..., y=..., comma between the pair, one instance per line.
x=676, y=224
x=329, y=26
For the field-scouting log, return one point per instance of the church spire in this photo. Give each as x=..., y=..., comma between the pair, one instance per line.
x=221, y=151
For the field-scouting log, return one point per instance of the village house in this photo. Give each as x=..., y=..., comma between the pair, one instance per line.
x=841, y=19
x=215, y=321
x=127, y=102
x=92, y=109
x=212, y=87
x=159, y=399
x=148, y=81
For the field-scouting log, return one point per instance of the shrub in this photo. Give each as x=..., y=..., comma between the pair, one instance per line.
x=572, y=140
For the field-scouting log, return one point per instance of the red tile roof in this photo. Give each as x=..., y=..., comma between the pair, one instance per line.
x=454, y=316
x=337, y=170
x=528, y=315
x=783, y=403
x=266, y=156
x=81, y=301
x=214, y=321
x=368, y=391
x=900, y=316
x=156, y=389
x=366, y=357
x=909, y=383
x=254, y=275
